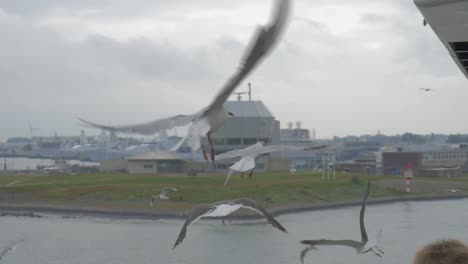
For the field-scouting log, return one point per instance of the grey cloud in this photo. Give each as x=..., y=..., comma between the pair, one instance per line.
x=337, y=83
x=373, y=18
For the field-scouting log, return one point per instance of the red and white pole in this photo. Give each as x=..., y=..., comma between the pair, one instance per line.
x=408, y=183
x=408, y=176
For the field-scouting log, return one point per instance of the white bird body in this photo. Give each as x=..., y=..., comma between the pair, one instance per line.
x=162, y=195
x=210, y=118
x=367, y=246
x=244, y=164
x=248, y=156
x=224, y=208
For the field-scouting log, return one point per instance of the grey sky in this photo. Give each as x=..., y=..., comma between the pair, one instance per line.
x=341, y=67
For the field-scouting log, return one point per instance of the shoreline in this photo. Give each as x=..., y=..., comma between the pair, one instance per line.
x=43, y=211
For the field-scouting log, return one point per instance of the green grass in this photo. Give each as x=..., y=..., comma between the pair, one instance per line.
x=271, y=188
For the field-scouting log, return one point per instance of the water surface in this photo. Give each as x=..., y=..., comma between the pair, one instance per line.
x=407, y=226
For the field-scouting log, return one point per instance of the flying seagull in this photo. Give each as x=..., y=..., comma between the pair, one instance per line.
x=224, y=208
x=362, y=247
x=249, y=154
x=292, y=168
x=212, y=117
x=426, y=89
x=162, y=195
x=453, y=190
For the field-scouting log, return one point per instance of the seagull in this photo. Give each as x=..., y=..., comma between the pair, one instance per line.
x=453, y=191
x=162, y=195
x=292, y=169
x=249, y=154
x=213, y=116
x=426, y=89
x=224, y=208
x=362, y=247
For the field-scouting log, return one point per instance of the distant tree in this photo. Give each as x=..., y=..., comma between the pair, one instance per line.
x=411, y=138
x=457, y=138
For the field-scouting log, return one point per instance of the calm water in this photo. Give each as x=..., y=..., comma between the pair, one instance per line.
x=14, y=164
x=407, y=226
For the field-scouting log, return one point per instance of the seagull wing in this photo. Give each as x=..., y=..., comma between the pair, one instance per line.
x=252, y=205
x=196, y=130
x=9, y=248
x=228, y=176
x=274, y=148
x=364, y=237
x=244, y=164
x=317, y=147
x=305, y=251
x=233, y=154
x=197, y=213
x=326, y=242
x=261, y=44
x=145, y=128
x=252, y=150
x=167, y=190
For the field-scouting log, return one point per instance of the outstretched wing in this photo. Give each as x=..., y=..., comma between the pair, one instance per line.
x=9, y=248
x=317, y=147
x=168, y=190
x=261, y=44
x=364, y=237
x=327, y=242
x=145, y=128
x=228, y=176
x=305, y=251
x=231, y=154
x=274, y=148
x=197, y=213
x=252, y=205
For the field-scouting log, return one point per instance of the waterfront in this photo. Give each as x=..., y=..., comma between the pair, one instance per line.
x=406, y=227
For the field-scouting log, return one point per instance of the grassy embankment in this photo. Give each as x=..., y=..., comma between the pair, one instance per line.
x=133, y=191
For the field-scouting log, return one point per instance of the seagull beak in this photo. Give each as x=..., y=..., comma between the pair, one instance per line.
x=231, y=114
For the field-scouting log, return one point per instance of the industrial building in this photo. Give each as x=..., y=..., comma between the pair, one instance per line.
x=160, y=162
x=298, y=136
x=252, y=122
x=444, y=163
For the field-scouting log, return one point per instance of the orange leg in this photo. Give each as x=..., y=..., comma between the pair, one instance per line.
x=204, y=152
x=213, y=153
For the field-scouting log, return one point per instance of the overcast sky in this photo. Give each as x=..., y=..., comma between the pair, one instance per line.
x=342, y=67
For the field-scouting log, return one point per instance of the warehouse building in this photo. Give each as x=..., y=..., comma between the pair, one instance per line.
x=252, y=122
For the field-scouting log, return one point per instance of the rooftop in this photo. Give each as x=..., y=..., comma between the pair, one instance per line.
x=248, y=109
